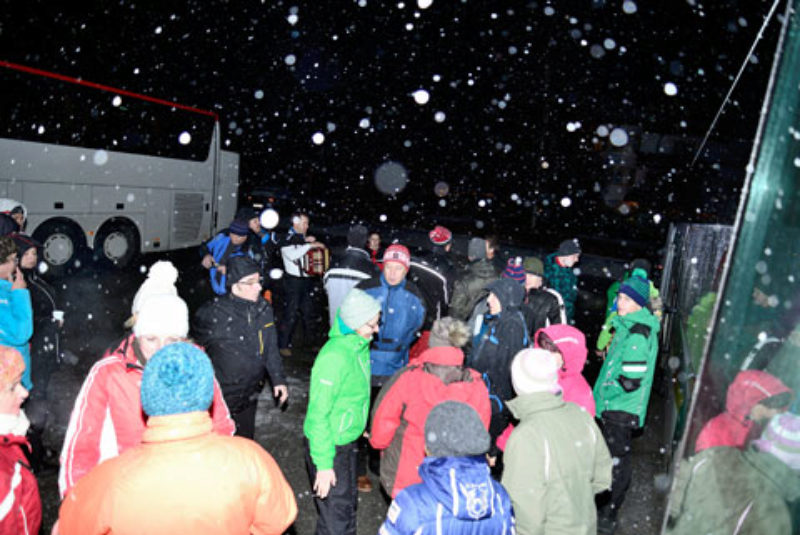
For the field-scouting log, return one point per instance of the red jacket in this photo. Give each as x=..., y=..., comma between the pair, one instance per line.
x=20, y=506
x=572, y=344
x=732, y=427
x=182, y=479
x=398, y=419
x=107, y=418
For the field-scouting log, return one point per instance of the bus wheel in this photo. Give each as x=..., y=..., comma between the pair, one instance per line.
x=62, y=244
x=117, y=243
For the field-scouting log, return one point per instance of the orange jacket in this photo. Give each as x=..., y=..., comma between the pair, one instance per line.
x=182, y=478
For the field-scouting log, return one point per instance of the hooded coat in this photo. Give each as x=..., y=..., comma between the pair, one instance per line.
x=457, y=496
x=16, y=324
x=434, y=274
x=398, y=419
x=555, y=462
x=626, y=378
x=572, y=344
x=21, y=507
x=471, y=287
x=732, y=427
x=725, y=490
x=183, y=478
x=338, y=396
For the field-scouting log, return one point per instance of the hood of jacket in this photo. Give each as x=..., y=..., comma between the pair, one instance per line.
x=443, y=356
x=749, y=388
x=523, y=406
x=463, y=485
x=509, y=292
x=643, y=316
x=572, y=344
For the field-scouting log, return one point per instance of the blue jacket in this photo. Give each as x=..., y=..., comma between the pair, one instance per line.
x=402, y=314
x=16, y=324
x=217, y=248
x=481, y=505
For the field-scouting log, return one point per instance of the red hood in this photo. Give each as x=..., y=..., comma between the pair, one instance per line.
x=444, y=356
x=572, y=344
x=749, y=388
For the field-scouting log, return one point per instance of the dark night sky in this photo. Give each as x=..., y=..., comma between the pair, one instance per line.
x=522, y=86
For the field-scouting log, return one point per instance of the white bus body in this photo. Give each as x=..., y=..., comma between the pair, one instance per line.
x=117, y=203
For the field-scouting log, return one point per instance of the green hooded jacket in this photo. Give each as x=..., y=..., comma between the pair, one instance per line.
x=338, y=398
x=555, y=462
x=724, y=490
x=626, y=377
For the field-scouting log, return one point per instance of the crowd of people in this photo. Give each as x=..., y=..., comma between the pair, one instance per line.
x=459, y=386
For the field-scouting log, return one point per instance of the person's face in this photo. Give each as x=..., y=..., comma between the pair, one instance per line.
x=254, y=225
x=394, y=273
x=494, y=304
x=19, y=218
x=762, y=413
x=8, y=266
x=370, y=328
x=248, y=287
x=489, y=250
x=238, y=240
x=29, y=259
x=532, y=281
x=150, y=343
x=374, y=241
x=626, y=305
x=570, y=260
x=300, y=224
x=12, y=396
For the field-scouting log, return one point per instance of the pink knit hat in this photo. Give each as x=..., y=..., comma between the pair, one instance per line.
x=397, y=253
x=11, y=365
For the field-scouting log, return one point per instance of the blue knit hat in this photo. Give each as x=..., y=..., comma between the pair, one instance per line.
x=637, y=289
x=178, y=378
x=515, y=270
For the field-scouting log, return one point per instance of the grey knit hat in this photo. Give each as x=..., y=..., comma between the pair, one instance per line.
x=454, y=429
x=448, y=332
x=358, y=308
x=569, y=247
x=476, y=250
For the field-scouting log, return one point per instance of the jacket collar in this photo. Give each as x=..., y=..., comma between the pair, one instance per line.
x=175, y=427
x=784, y=478
x=528, y=404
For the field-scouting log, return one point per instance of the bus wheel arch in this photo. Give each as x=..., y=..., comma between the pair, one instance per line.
x=117, y=242
x=63, y=242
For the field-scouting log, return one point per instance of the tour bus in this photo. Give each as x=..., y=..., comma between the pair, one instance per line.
x=145, y=174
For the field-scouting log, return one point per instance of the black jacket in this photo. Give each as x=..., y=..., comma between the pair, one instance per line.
x=434, y=274
x=542, y=307
x=45, y=342
x=241, y=340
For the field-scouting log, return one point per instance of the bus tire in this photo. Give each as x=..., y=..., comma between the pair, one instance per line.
x=117, y=243
x=63, y=244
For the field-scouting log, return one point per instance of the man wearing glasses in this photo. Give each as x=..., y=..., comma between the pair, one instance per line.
x=239, y=335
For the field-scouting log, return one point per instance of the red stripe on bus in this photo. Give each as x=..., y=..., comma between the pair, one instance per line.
x=101, y=87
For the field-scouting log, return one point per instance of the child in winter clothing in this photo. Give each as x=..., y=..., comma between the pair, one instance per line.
x=22, y=509
x=16, y=311
x=398, y=419
x=556, y=459
x=338, y=406
x=753, y=398
x=457, y=493
x=560, y=275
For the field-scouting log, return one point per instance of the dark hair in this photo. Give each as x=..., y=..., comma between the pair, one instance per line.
x=7, y=248
x=545, y=342
x=778, y=401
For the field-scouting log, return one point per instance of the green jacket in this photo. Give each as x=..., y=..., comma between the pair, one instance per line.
x=724, y=490
x=338, y=398
x=471, y=287
x=626, y=377
x=555, y=462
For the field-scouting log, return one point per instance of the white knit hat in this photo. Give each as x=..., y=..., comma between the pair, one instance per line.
x=162, y=315
x=161, y=278
x=535, y=370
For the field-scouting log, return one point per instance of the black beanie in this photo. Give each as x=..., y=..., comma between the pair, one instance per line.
x=357, y=236
x=238, y=268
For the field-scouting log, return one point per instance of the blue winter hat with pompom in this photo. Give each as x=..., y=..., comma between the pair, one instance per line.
x=177, y=379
